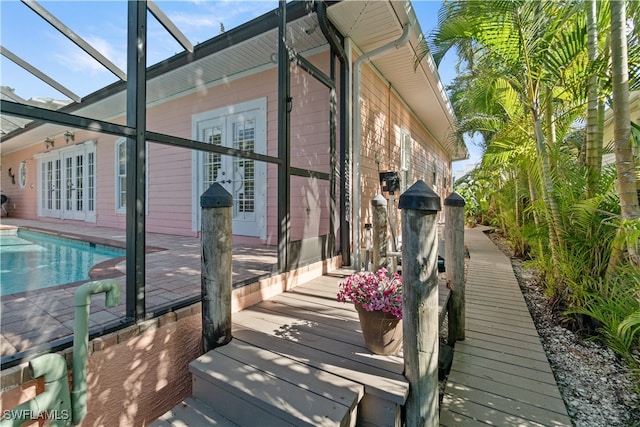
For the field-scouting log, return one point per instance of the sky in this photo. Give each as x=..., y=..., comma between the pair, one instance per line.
x=103, y=24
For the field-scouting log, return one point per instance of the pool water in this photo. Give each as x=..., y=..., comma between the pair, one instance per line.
x=31, y=260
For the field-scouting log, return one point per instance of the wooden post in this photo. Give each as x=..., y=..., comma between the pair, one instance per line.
x=379, y=204
x=454, y=265
x=216, y=205
x=419, y=206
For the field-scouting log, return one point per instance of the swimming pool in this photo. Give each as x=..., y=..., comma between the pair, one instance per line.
x=30, y=260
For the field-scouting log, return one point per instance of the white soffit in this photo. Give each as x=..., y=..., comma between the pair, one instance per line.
x=373, y=23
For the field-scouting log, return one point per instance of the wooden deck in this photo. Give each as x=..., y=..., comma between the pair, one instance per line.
x=297, y=359
x=500, y=373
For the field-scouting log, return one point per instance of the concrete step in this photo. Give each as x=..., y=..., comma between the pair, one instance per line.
x=192, y=412
x=253, y=386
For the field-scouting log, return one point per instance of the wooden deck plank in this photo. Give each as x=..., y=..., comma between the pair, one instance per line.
x=488, y=415
x=480, y=312
x=191, y=412
x=345, y=311
x=507, y=349
x=306, y=334
x=507, y=390
x=377, y=381
x=495, y=291
x=303, y=329
x=495, y=374
x=493, y=306
x=472, y=360
x=309, y=297
x=500, y=373
x=489, y=354
x=294, y=404
x=497, y=302
x=234, y=405
x=453, y=419
x=511, y=406
x=333, y=323
x=476, y=309
x=505, y=337
x=337, y=389
x=498, y=325
x=492, y=318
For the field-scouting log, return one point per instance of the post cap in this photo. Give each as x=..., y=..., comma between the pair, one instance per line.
x=216, y=197
x=420, y=197
x=379, y=200
x=454, y=199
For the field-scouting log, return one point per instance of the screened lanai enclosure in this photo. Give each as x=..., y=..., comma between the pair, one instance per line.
x=255, y=109
x=112, y=144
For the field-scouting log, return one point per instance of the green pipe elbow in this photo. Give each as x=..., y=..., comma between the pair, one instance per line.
x=82, y=300
x=54, y=403
x=52, y=367
x=83, y=294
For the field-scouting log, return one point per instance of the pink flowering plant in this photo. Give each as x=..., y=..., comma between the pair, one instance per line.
x=374, y=291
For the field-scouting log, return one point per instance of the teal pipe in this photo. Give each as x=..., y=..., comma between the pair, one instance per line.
x=54, y=403
x=81, y=302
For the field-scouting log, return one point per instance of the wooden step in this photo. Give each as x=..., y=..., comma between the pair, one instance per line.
x=385, y=391
x=253, y=386
x=192, y=412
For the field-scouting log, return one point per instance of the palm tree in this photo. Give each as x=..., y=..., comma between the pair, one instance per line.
x=594, y=137
x=527, y=42
x=625, y=162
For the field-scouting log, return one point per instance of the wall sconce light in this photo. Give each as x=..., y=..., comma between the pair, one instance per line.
x=48, y=142
x=12, y=176
x=68, y=136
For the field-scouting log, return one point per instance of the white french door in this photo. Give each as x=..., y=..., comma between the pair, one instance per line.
x=244, y=179
x=67, y=183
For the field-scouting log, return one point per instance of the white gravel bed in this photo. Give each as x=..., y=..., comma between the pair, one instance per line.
x=597, y=388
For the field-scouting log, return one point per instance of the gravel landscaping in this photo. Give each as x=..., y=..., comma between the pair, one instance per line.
x=596, y=387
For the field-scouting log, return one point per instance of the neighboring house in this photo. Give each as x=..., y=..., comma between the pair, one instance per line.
x=226, y=93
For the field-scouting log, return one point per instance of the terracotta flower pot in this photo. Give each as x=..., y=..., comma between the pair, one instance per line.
x=382, y=331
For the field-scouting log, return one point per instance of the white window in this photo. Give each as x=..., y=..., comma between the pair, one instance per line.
x=242, y=127
x=405, y=161
x=22, y=174
x=435, y=176
x=67, y=180
x=121, y=175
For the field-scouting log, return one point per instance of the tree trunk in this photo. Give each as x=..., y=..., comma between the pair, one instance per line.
x=534, y=196
x=594, y=139
x=554, y=219
x=625, y=164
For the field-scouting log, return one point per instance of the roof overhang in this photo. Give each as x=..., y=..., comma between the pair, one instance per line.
x=250, y=47
x=371, y=24
x=241, y=51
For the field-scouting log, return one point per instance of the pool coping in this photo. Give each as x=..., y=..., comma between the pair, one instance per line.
x=103, y=270
x=173, y=281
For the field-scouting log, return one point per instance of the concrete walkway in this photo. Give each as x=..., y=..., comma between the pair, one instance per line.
x=500, y=374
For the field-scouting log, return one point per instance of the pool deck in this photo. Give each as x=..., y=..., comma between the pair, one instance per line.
x=172, y=274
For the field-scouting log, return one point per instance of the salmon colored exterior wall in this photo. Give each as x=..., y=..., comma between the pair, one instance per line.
x=384, y=116
x=170, y=197
x=170, y=168
x=136, y=374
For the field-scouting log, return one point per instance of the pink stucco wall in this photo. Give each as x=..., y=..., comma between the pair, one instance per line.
x=383, y=117
x=170, y=168
x=130, y=381
x=136, y=374
x=170, y=173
